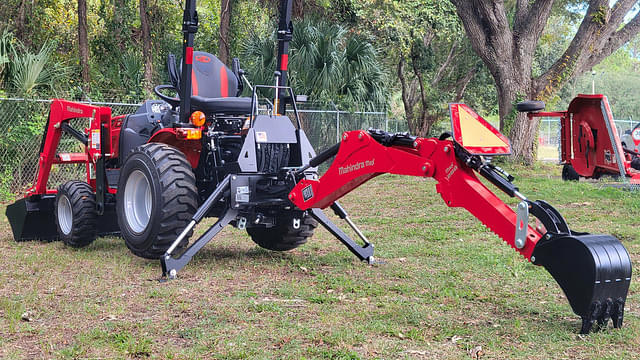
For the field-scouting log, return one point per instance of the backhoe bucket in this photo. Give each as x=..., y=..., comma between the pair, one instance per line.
x=32, y=218
x=594, y=271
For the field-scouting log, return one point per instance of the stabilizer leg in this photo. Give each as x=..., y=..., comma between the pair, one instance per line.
x=171, y=265
x=364, y=253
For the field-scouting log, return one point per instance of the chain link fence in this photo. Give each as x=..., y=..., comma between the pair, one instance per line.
x=22, y=123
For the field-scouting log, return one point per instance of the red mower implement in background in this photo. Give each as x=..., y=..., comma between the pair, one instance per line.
x=589, y=141
x=208, y=153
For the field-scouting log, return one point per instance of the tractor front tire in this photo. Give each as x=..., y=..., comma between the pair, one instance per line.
x=283, y=236
x=156, y=199
x=76, y=214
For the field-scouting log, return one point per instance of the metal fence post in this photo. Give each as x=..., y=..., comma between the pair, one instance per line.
x=337, y=122
x=386, y=118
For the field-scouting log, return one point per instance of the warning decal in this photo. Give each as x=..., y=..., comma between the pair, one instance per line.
x=475, y=134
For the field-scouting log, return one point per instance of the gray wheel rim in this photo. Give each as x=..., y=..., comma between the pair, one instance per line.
x=137, y=201
x=65, y=214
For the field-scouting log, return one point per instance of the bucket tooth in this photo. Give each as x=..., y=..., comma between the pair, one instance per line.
x=618, y=313
x=588, y=321
x=605, y=313
x=594, y=271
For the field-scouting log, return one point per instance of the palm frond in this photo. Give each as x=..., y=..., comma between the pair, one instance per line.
x=30, y=71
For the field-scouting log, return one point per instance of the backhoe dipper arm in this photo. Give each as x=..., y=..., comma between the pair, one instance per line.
x=361, y=157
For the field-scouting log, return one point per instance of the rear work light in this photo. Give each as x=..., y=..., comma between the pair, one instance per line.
x=189, y=133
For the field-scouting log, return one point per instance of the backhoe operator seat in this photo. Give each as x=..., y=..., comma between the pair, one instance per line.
x=214, y=87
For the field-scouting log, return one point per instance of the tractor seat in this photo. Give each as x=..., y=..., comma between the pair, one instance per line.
x=214, y=87
x=223, y=105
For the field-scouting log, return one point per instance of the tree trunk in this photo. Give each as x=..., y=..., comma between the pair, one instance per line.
x=298, y=9
x=410, y=99
x=119, y=32
x=225, y=31
x=420, y=113
x=83, y=43
x=146, y=46
x=20, y=23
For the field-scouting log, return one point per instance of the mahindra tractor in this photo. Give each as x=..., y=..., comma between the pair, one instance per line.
x=202, y=150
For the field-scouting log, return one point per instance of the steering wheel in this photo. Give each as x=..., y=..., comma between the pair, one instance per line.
x=173, y=101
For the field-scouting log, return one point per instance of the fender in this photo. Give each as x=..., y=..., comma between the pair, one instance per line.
x=179, y=138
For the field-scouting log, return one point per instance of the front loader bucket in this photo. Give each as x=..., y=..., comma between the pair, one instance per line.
x=32, y=218
x=594, y=271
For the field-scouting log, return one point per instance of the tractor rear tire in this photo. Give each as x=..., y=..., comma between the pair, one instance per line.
x=76, y=214
x=156, y=199
x=569, y=173
x=283, y=236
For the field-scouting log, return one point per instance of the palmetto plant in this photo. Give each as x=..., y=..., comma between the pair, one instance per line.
x=29, y=71
x=132, y=72
x=326, y=62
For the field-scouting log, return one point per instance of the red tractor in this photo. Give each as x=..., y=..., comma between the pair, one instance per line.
x=207, y=153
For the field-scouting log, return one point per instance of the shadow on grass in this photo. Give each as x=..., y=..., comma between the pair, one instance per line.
x=225, y=254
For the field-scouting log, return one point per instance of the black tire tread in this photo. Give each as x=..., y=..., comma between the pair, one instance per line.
x=530, y=106
x=84, y=228
x=179, y=197
x=569, y=173
x=283, y=237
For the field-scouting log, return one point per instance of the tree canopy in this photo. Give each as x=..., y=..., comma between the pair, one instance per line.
x=506, y=34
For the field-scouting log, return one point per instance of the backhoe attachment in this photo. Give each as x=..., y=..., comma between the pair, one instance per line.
x=594, y=271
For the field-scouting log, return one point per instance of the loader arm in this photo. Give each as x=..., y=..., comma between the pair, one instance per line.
x=61, y=111
x=594, y=271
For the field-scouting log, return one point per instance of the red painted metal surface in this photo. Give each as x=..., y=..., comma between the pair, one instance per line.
x=62, y=110
x=585, y=140
x=361, y=158
x=190, y=148
x=189, y=57
x=284, y=61
x=71, y=158
x=592, y=150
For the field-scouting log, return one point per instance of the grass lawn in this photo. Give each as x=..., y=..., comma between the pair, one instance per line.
x=447, y=289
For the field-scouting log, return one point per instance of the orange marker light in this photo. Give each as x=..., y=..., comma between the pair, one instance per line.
x=188, y=133
x=198, y=118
